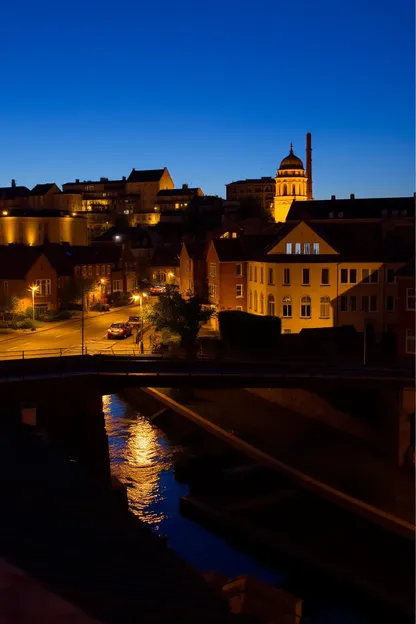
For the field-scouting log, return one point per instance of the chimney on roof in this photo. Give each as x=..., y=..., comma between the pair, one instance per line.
x=124, y=178
x=184, y=187
x=76, y=180
x=309, y=165
x=13, y=183
x=333, y=197
x=352, y=196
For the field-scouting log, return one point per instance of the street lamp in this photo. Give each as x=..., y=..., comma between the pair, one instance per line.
x=33, y=289
x=102, y=282
x=139, y=298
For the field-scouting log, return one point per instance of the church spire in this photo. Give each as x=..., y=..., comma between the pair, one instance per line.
x=291, y=149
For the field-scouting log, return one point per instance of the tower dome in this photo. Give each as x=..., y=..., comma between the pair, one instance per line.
x=291, y=162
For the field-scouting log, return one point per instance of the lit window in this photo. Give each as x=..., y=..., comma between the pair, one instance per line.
x=44, y=287
x=297, y=248
x=410, y=299
x=287, y=307
x=324, y=311
x=239, y=291
x=286, y=277
x=305, y=277
x=307, y=248
x=316, y=248
x=160, y=277
x=288, y=248
x=325, y=277
x=239, y=308
x=212, y=289
x=305, y=307
x=270, y=305
x=410, y=341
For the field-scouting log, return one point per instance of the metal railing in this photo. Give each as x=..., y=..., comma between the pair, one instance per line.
x=71, y=351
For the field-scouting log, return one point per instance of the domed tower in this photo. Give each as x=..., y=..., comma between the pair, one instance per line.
x=291, y=184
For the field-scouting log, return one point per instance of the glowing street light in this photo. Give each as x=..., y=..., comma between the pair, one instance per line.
x=33, y=289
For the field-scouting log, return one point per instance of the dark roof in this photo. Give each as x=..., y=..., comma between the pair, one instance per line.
x=167, y=255
x=408, y=270
x=370, y=208
x=195, y=249
x=42, y=189
x=229, y=249
x=291, y=161
x=138, y=236
x=178, y=191
x=145, y=175
x=10, y=192
x=16, y=260
x=65, y=257
x=265, y=180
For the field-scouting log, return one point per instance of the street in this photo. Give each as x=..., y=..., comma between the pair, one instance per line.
x=67, y=336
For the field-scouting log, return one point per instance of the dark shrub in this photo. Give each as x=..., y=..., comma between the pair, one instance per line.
x=241, y=330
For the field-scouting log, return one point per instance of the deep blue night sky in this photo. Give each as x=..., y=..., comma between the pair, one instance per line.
x=213, y=90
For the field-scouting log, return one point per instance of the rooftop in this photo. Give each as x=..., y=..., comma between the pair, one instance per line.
x=368, y=208
x=145, y=175
x=42, y=189
x=265, y=180
x=229, y=249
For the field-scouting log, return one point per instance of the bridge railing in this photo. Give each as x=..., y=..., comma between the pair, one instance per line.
x=27, y=354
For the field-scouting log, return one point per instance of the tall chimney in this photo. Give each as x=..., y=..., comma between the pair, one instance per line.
x=309, y=165
x=13, y=183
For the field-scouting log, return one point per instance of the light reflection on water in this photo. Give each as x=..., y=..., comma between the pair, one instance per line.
x=142, y=459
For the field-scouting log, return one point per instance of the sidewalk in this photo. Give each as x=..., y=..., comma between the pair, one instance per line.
x=11, y=334
x=331, y=456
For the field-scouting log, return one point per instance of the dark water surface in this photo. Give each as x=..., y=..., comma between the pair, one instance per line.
x=141, y=457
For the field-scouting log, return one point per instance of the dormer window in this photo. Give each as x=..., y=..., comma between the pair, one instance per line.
x=340, y=215
x=331, y=215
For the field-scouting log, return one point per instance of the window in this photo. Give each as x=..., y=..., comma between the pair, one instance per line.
x=250, y=273
x=250, y=299
x=316, y=248
x=288, y=248
x=213, y=270
x=324, y=311
x=344, y=304
x=305, y=307
x=370, y=276
x=160, y=277
x=117, y=285
x=84, y=271
x=305, y=277
x=374, y=277
x=270, y=279
x=307, y=248
x=239, y=308
x=284, y=189
x=6, y=287
x=293, y=189
x=108, y=269
x=270, y=305
x=255, y=274
x=89, y=269
x=239, y=270
x=364, y=304
x=286, y=277
x=255, y=301
x=297, y=248
x=410, y=340
x=353, y=304
x=410, y=299
x=97, y=269
x=344, y=276
x=261, y=303
x=212, y=290
x=331, y=215
x=44, y=288
x=353, y=276
x=287, y=307
x=103, y=269
x=325, y=277
x=261, y=275
x=390, y=276
x=239, y=291
x=390, y=303
x=365, y=275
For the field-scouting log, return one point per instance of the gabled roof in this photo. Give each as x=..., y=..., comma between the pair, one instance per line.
x=65, y=257
x=229, y=249
x=408, y=270
x=145, y=175
x=195, y=249
x=369, y=208
x=10, y=192
x=42, y=189
x=16, y=260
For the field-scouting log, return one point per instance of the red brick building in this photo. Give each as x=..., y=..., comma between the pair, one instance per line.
x=193, y=268
x=227, y=275
x=406, y=306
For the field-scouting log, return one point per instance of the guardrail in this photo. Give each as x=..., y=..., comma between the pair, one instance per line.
x=68, y=351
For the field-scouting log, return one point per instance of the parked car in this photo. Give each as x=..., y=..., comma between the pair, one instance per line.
x=156, y=289
x=135, y=321
x=119, y=330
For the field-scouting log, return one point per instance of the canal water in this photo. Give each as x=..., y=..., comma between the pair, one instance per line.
x=141, y=457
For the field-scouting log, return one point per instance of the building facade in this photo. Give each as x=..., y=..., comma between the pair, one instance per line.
x=262, y=190
x=406, y=311
x=32, y=227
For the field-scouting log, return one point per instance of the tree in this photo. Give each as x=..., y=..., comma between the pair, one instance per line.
x=73, y=289
x=180, y=315
x=8, y=304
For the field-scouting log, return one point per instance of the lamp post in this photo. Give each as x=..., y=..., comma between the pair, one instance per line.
x=102, y=281
x=139, y=298
x=33, y=289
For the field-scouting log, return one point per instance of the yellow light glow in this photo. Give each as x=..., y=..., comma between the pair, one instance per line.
x=5, y=213
x=34, y=288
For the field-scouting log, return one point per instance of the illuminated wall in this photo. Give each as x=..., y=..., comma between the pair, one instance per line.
x=34, y=230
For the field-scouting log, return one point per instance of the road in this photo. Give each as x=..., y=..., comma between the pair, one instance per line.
x=68, y=336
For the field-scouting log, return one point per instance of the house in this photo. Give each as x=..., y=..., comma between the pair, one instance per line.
x=44, y=196
x=26, y=270
x=261, y=190
x=175, y=199
x=13, y=196
x=146, y=184
x=164, y=265
x=193, y=267
x=227, y=275
x=406, y=310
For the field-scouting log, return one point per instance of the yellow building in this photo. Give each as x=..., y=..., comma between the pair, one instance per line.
x=31, y=227
x=310, y=281
x=291, y=184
